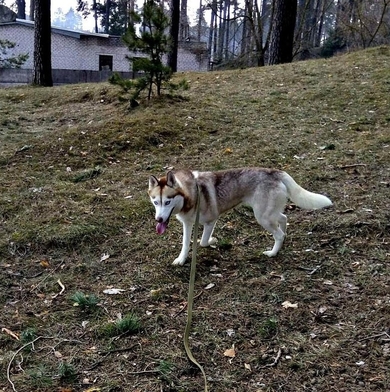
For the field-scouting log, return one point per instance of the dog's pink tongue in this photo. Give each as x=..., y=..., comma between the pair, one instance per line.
x=161, y=227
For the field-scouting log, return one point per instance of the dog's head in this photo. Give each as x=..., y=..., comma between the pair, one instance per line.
x=167, y=198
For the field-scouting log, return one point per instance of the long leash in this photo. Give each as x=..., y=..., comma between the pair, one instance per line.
x=191, y=286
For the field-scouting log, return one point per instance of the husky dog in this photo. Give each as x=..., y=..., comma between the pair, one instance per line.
x=265, y=190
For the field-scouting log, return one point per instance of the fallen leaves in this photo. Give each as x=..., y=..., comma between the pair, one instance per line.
x=62, y=289
x=288, y=305
x=230, y=332
x=104, y=256
x=10, y=333
x=230, y=352
x=44, y=264
x=113, y=291
x=155, y=293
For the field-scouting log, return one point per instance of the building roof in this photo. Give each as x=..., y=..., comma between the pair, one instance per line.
x=68, y=32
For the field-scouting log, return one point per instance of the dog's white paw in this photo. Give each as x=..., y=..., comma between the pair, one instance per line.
x=269, y=253
x=179, y=261
x=210, y=242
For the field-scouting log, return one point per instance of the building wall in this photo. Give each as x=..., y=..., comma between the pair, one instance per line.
x=67, y=52
x=11, y=77
x=83, y=53
x=192, y=56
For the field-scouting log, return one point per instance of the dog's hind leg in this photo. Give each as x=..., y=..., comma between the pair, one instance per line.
x=207, y=238
x=283, y=223
x=187, y=231
x=277, y=227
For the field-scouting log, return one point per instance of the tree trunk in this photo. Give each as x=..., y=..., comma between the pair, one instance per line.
x=306, y=27
x=21, y=5
x=245, y=32
x=107, y=17
x=184, y=26
x=258, y=38
x=42, y=44
x=320, y=26
x=200, y=17
x=32, y=9
x=95, y=16
x=211, y=54
x=265, y=19
x=227, y=29
x=174, y=34
x=282, y=36
x=221, y=31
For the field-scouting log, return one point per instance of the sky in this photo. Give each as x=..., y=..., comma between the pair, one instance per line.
x=55, y=4
x=65, y=5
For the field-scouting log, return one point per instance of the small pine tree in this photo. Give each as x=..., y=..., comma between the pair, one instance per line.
x=153, y=43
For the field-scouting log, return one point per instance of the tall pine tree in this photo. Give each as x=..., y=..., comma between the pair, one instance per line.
x=42, y=44
x=282, y=35
x=174, y=33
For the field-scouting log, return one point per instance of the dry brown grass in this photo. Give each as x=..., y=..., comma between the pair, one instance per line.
x=74, y=165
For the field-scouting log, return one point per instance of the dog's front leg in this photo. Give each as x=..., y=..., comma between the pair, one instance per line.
x=187, y=231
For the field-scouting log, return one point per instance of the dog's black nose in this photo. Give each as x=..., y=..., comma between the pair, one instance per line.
x=159, y=220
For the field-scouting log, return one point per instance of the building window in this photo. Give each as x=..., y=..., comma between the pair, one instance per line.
x=105, y=63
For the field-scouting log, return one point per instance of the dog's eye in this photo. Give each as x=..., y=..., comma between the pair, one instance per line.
x=155, y=203
x=167, y=202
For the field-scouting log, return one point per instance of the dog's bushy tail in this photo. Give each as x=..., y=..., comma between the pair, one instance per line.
x=303, y=198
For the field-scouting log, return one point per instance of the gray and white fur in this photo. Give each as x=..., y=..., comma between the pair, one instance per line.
x=265, y=190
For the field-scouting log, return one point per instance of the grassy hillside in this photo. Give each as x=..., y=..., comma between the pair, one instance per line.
x=75, y=220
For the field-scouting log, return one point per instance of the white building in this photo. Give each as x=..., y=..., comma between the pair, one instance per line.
x=84, y=51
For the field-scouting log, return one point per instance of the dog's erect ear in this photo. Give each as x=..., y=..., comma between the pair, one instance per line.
x=153, y=182
x=171, y=180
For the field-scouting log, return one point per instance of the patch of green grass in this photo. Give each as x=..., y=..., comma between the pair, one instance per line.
x=28, y=335
x=129, y=324
x=85, y=301
x=268, y=328
x=67, y=372
x=165, y=369
x=39, y=377
x=86, y=175
x=225, y=244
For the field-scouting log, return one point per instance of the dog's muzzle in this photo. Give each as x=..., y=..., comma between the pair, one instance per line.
x=161, y=225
